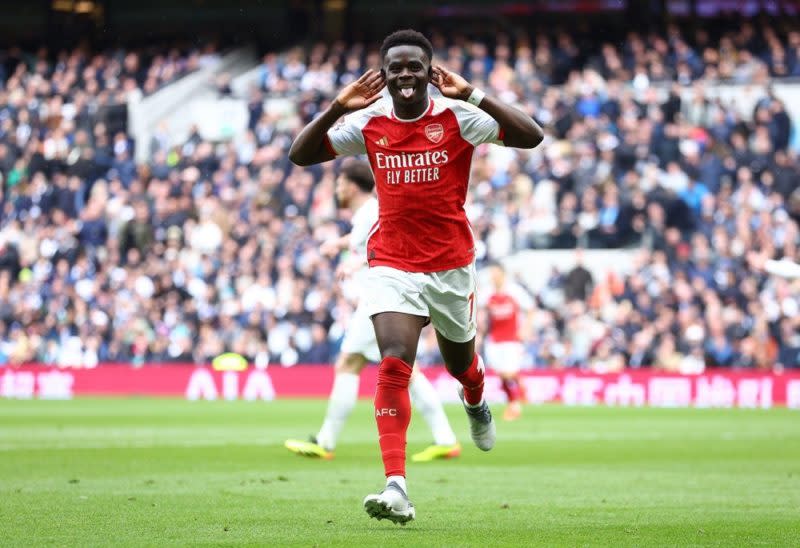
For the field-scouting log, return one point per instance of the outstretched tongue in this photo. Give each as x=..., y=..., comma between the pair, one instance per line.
x=407, y=92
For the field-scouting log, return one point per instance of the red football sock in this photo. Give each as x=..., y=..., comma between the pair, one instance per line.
x=472, y=381
x=512, y=389
x=393, y=413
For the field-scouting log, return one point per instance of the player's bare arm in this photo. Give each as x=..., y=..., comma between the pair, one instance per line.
x=309, y=146
x=520, y=130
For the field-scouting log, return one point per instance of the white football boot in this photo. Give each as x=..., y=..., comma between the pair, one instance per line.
x=392, y=503
x=481, y=424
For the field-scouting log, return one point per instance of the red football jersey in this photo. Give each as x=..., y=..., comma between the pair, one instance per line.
x=504, y=309
x=421, y=170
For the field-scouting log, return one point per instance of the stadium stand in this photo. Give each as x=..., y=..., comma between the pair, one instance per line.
x=211, y=247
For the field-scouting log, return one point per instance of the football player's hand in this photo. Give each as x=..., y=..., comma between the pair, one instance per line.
x=757, y=261
x=342, y=272
x=362, y=92
x=451, y=84
x=350, y=266
x=346, y=269
x=330, y=248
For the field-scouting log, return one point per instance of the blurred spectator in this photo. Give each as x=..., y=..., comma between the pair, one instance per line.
x=578, y=282
x=319, y=351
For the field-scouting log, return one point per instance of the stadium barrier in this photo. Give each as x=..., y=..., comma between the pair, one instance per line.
x=714, y=388
x=174, y=104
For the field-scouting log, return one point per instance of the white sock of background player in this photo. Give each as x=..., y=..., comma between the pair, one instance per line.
x=425, y=400
x=340, y=404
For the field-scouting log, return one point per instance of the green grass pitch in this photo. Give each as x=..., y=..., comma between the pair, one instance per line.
x=168, y=472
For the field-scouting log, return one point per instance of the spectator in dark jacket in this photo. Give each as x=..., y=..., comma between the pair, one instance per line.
x=578, y=282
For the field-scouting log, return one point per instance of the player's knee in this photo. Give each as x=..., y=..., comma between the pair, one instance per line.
x=350, y=363
x=394, y=372
x=399, y=351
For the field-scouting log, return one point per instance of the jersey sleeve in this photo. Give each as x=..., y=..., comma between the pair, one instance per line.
x=346, y=138
x=783, y=268
x=362, y=225
x=476, y=126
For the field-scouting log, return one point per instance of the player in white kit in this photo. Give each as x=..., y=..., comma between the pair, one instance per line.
x=354, y=191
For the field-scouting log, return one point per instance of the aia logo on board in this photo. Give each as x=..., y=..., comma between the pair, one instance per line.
x=434, y=132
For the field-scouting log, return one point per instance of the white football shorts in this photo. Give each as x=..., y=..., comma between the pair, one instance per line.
x=359, y=337
x=446, y=297
x=504, y=357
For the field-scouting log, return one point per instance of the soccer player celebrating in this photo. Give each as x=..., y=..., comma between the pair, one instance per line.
x=421, y=252
x=505, y=305
x=354, y=192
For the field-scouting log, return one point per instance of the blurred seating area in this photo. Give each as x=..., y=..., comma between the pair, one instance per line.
x=212, y=247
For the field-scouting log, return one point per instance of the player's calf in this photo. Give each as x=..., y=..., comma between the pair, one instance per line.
x=393, y=413
x=472, y=381
x=512, y=388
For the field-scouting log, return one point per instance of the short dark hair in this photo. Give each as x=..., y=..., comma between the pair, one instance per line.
x=360, y=173
x=407, y=37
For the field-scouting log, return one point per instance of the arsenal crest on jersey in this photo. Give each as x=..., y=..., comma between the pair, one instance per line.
x=434, y=132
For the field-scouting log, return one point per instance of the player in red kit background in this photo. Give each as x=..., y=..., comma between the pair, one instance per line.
x=508, y=309
x=421, y=250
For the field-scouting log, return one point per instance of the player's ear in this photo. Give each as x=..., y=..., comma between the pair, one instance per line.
x=383, y=74
x=430, y=71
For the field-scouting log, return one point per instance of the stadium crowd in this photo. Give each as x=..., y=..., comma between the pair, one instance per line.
x=214, y=247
